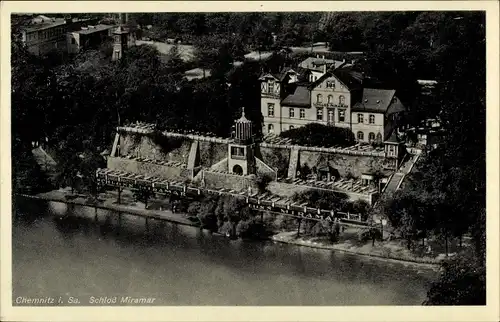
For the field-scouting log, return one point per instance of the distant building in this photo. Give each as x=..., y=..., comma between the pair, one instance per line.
x=319, y=65
x=258, y=56
x=340, y=97
x=43, y=34
x=87, y=37
x=120, y=43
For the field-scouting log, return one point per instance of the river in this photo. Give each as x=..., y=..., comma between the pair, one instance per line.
x=180, y=265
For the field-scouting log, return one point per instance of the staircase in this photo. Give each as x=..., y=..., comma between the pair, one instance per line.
x=397, y=179
x=294, y=162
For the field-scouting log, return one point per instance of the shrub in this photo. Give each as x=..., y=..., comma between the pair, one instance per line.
x=314, y=134
x=322, y=199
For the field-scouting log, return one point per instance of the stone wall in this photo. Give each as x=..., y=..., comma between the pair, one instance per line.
x=288, y=190
x=144, y=146
x=216, y=180
x=211, y=153
x=150, y=169
x=348, y=164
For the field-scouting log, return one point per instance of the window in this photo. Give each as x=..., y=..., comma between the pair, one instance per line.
x=379, y=138
x=341, y=100
x=319, y=114
x=330, y=84
x=270, y=110
x=371, y=137
x=371, y=119
x=73, y=41
x=270, y=87
x=302, y=113
x=330, y=99
x=341, y=116
x=270, y=128
x=291, y=127
x=237, y=151
x=360, y=118
x=330, y=116
x=360, y=136
x=319, y=98
x=292, y=113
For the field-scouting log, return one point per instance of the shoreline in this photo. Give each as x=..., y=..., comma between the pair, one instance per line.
x=280, y=237
x=405, y=262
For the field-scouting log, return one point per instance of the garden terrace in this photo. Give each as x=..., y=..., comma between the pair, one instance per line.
x=258, y=201
x=342, y=185
x=158, y=162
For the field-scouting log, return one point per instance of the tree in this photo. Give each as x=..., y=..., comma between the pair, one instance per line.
x=315, y=134
x=462, y=282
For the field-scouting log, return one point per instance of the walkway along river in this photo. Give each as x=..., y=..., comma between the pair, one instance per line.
x=181, y=265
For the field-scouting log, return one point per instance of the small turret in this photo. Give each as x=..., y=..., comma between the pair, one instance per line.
x=243, y=128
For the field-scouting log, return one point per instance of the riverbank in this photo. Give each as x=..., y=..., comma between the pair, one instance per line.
x=389, y=251
x=105, y=202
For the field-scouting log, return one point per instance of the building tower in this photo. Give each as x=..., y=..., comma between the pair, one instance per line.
x=241, y=159
x=120, y=43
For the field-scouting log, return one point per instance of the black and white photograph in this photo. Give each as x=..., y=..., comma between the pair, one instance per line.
x=248, y=158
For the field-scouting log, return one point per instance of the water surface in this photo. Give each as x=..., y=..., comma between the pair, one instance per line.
x=179, y=265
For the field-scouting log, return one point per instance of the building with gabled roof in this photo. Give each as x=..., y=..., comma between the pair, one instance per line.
x=341, y=96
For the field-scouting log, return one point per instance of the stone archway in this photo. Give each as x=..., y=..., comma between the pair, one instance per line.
x=237, y=169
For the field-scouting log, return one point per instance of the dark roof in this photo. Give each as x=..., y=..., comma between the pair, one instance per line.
x=120, y=30
x=374, y=100
x=393, y=138
x=301, y=97
x=91, y=30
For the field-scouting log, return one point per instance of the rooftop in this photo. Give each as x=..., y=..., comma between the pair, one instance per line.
x=301, y=97
x=347, y=75
x=42, y=22
x=375, y=100
x=92, y=29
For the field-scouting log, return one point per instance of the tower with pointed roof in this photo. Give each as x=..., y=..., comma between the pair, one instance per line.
x=241, y=159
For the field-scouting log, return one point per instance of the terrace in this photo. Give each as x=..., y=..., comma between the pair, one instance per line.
x=147, y=128
x=273, y=140
x=158, y=162
x=341, y=185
